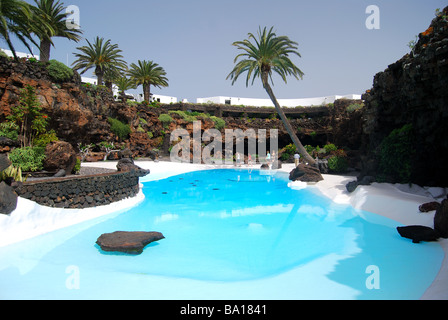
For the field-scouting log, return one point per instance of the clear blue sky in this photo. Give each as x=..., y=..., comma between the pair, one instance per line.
x=192, y=40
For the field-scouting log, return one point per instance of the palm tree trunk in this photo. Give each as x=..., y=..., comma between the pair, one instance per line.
x=289, y=129
x=45, y=46
x=146, y=91
x=99, y=74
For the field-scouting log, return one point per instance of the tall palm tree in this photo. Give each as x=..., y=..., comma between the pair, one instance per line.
x=54, y=14
x=267, y=54
x=15, y=20
x=101, y=55
x=148, y=73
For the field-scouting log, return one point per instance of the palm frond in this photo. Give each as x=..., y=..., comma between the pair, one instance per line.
x=268, y=53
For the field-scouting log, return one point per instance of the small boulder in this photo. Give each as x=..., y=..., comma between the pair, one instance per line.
x=8, y=199
x=127, y=164
x=59, y=155
x=4, y=162
x=305, y=173
x=429, y=206
x=127, y=241
x=351, y=186
x=264, y=166
x=418, y=233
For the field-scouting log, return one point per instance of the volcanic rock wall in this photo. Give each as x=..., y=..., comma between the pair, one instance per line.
x=413, y=90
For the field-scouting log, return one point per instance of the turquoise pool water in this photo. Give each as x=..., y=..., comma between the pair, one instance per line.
x=230, y=234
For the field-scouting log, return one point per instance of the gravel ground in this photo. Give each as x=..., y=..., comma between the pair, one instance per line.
x=85, y=171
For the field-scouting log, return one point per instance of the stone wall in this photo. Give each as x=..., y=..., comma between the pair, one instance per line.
x=84, y=191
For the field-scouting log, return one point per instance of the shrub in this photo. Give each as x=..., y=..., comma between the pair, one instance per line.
x=28, y=158
x=45, y=138
x=120, y=129
x=58, y=71
x=77, y=167
x=354, y=106
x=395, y=154
x=337, y=164
x=28, y=116
x=330, y=147
x=9, y=130
x=219, y=123
x=187, y=116
x=165, y=118
x=289, y=150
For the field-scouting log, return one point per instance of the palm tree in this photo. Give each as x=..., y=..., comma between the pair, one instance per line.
x=269, y=53
x=148, y=73
x=54, y=14
x=111, y=73
x=101, y=55
x=15, y=19
x=124, y=83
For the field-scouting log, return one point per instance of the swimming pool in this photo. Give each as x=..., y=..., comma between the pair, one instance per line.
x=229, y=234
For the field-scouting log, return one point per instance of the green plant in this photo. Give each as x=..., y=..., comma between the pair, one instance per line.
x=28, y=158
x=9, y=130
x=12, y=172
x=354, y=106
x=187, y=116
x=219, y=123
x=77, y=167
x=58, y=71
x=165, y=118
x=330, y=147
x=395, y=154
x=28, y=116
x=337, y=164
x=120, y=129
x=45, y=138
x=288, y=150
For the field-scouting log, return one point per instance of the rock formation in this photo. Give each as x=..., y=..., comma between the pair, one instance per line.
x=441, y=219
x=413, y=91
x=127, y=242
x=418, y=233
x=305, y=173
x=60, y=155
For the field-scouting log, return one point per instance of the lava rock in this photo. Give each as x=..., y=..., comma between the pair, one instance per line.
x=418, y=233
x=127, y=164
x=59, y=155
x=429, y=206
x=351, y=186
x=441, y=219
x=8, y=199
x=305, y=173
x=127, y=241
x=4, y=162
